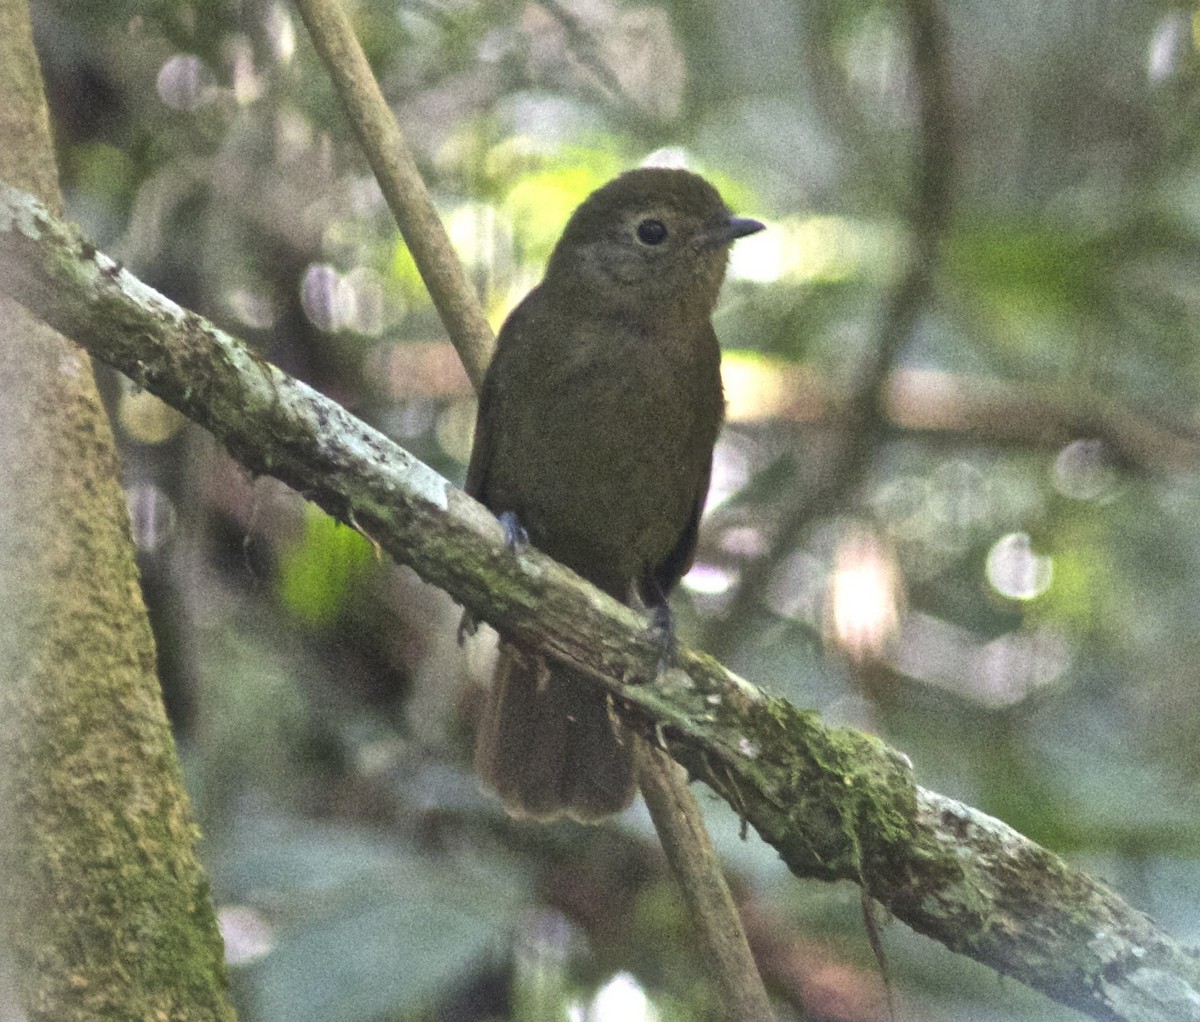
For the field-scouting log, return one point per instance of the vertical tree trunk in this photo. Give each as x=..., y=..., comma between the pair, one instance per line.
x=105, y=911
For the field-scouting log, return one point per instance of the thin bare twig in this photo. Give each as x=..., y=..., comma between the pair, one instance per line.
x=401, y=183
x=689, y=851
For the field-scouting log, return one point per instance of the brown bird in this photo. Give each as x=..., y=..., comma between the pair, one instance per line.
x=594, y=441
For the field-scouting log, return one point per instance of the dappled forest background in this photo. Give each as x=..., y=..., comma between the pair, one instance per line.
x=956, y=502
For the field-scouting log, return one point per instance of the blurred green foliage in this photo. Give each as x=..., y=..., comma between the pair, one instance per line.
x=316, y=574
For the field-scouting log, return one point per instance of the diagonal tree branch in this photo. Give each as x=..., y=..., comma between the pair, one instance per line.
x=836, y=803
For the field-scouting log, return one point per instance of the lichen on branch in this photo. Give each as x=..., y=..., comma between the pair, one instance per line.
x=835, y=803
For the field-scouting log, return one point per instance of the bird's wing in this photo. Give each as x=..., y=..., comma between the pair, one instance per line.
x=661, y=578
x=490, y=415
x=484, y=442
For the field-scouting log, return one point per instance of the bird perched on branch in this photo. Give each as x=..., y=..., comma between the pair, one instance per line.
x=594, y=441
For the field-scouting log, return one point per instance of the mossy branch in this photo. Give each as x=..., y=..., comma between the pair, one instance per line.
x=837, y=804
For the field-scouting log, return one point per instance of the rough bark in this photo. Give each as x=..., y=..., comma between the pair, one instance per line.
x=105, y=909
x=837, y=804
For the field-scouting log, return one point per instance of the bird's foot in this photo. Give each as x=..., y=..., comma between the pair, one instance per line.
x=467, y=626
x=515, y=536
x=662, y=624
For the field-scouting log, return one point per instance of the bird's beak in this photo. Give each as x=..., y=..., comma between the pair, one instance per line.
x=729, y=230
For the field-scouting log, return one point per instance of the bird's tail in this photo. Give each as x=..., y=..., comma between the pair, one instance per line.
x=548, y=745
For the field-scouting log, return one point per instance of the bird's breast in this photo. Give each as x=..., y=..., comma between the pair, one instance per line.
x=609, y=456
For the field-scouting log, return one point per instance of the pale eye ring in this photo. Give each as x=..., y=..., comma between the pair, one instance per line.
x=652, y=232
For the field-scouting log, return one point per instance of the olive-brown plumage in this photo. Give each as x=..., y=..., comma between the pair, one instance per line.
x=595, y=429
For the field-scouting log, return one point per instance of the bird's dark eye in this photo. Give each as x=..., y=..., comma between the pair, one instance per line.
x=652, y=232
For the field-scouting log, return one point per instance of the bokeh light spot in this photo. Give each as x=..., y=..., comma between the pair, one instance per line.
x=709, y=580
x=1015, y=571
x=865, y=596
x=185, y=82
x=152, y=516
x=1084, y=471
x=247, y=935
x=333, y=301
x=622, y=999
x=145, y=418
x=281, y=31
x=254, y=309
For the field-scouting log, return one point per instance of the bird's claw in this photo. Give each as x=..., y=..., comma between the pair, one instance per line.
x=467, y=626
x=515, y=536
x=662, y=624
